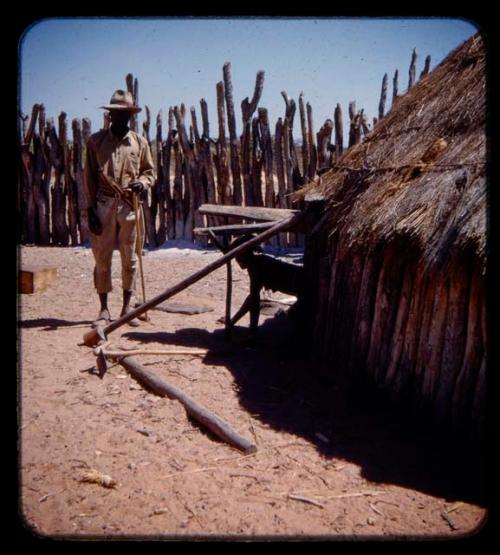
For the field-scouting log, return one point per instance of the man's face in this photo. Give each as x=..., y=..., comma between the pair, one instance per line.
x=119, y=118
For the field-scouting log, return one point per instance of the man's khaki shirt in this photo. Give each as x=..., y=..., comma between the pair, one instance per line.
x=124, y=160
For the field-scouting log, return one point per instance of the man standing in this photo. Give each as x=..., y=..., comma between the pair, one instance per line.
x=118, y=164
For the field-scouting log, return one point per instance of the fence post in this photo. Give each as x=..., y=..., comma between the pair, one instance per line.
x=313, y=157
x=56, y=153
x=267, y=156
x=199, y=177
x=69, y=184
x=43, y=167
x=28, y=209
x=280, y=138
x=86, y=130
x=193, y=217
x=233, y=139
x=207, y=154
x=178, y=200
x=221, y=160
x=78, y=177
x=247, y=110
x=395, y=86
x=339, y=132
x=129, y=80
x=427, y=67
x=297, y=179
x=256, y=169
x=383, y=97
x=324, y=137
x=305, y=137
x=412, y=69
x=162, y=179
x=167, y=189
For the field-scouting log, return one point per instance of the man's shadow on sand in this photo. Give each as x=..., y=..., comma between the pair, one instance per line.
x=279, y=385
x=49, y=324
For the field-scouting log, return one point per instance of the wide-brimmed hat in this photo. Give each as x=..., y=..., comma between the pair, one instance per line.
x=122, y=100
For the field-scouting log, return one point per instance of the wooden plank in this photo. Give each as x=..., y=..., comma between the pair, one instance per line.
x=233, y=229
x=251, y=212
x=33, y=279
x=199, y=413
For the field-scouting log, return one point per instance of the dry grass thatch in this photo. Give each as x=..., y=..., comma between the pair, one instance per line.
x=421, y=173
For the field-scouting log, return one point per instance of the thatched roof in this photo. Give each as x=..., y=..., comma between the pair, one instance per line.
x=421, y=173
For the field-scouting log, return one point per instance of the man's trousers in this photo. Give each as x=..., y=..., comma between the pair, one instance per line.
x=118, y=230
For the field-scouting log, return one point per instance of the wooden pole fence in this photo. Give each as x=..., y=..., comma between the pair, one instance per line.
x=259, y=168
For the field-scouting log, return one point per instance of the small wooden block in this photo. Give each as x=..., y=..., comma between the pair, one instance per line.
x=33, y=279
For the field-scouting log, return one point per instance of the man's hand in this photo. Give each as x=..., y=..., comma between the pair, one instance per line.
x=95, y=225
x=137, y=186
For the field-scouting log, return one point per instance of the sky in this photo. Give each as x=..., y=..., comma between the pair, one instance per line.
x=74, y=65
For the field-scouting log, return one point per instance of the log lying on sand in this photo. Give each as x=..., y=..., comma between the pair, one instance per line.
x=202, y=415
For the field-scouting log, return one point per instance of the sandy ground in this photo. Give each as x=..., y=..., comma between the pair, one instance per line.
x=333, y=461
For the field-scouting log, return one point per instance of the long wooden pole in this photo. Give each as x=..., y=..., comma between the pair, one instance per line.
x=139, y=247
x=92, y=337
x=199, y=413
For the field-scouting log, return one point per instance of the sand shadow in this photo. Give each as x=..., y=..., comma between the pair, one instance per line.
x=344, y=419
x=49, y=324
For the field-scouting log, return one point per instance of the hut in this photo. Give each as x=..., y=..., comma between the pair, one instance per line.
x=396, y=264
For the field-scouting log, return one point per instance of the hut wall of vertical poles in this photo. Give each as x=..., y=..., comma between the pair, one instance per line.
x=396, y=266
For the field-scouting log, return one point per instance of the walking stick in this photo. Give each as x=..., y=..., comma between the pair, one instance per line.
x=139, y=249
